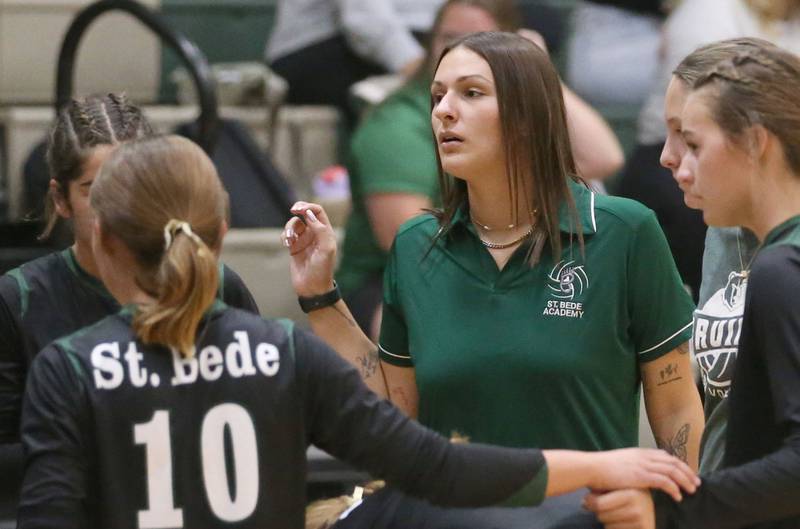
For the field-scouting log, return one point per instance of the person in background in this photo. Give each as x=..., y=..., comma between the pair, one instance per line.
x=613, y=51
x=691, y=24
x=235, y=398
x=741, y=125
x=321, y=47
x=392, y=162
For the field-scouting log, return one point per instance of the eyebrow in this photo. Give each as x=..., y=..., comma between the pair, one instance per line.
x=463, y=78
x=86, y=184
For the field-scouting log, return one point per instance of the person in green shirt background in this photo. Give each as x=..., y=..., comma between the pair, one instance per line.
x=392, y=162
x=528, y=309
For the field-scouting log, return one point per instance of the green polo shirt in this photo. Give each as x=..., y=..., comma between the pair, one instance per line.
x=545, y=356
x=392, y=151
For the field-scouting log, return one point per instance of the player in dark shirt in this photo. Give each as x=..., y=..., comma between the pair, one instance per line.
x=741, y=123
x=180, y=411
x=58, y=294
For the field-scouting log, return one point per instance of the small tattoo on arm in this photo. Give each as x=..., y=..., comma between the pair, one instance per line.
x=677, y=445
x=368, y=363
x=400, y=399
x=668, y=374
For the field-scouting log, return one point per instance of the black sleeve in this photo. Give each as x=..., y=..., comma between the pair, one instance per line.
x=54, y=489
x=767, y=488
x=349, y=421
x=12, y=365
x=234, y=292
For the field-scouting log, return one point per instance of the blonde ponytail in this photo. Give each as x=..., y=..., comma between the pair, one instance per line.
x=186, y=283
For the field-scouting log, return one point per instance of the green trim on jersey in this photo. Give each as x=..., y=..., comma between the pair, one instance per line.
x=779, y=235
x=545, y=356
x=85, y=277
x=24, y=290
x=288, y=326
x=534, y=492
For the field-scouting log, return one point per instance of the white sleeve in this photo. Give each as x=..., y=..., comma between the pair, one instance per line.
x=375, y=31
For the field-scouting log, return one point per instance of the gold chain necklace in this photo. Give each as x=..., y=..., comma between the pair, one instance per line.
x=746, y=270
x=500, y=246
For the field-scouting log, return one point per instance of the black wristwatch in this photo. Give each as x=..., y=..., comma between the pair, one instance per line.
x=320, y=302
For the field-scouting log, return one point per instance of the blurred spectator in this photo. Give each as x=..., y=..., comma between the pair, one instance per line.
x=392, y=163
x=321, y=47
x=613, y=53
x=692, y=24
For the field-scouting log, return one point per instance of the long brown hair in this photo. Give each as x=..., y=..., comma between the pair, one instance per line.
x=81, y=126
x=534, y=133
x=165, y=188
x=758, y=87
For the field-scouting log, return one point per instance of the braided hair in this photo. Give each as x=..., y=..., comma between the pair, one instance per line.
x=80, y=127
x=758, y=87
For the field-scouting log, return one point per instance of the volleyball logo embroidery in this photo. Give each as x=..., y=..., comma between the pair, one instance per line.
x=567, y=280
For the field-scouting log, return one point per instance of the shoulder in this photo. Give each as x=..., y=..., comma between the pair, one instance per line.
x=17, y=285
x=620, y=212
x=776, y=271
x=402, y=111
x=230, y=320
x=113, y=327
x=421, y=227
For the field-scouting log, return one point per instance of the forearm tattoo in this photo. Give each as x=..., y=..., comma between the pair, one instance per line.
x=368, y=363
x=677, y=444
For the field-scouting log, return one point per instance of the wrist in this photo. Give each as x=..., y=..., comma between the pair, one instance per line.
x=320, y=301
x=314, y=290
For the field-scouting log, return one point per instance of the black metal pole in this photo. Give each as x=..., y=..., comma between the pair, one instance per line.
x=189, y=53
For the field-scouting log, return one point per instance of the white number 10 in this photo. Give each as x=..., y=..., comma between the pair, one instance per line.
x=155, y=436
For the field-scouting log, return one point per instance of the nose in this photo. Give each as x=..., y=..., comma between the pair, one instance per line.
x=670, y=157
x=445, y=109
x=684, y=173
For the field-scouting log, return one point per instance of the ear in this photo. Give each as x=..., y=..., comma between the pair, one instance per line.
x=760, y=140
x=60, y=199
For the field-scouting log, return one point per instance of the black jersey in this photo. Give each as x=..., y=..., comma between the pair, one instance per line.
x=51, y=297
x=122, y=435
x=760, y=484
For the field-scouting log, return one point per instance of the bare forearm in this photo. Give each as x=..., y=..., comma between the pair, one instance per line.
x=337, y=327
x=569, y=470
x=597, y=151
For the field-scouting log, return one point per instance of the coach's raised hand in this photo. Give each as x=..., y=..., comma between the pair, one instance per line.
x=312, y=244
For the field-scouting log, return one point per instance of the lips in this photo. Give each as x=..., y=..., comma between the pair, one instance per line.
x=449, y=138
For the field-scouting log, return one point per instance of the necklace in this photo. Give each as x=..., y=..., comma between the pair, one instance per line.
x=500, y=246
x=486, y=227
x=745, y=269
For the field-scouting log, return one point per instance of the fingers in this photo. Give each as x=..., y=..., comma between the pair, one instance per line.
x=302, y=209
x=678, y=472
x=623, y=509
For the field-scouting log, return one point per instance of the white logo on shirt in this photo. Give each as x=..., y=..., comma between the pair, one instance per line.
x=567, y=281
x=717, y=329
